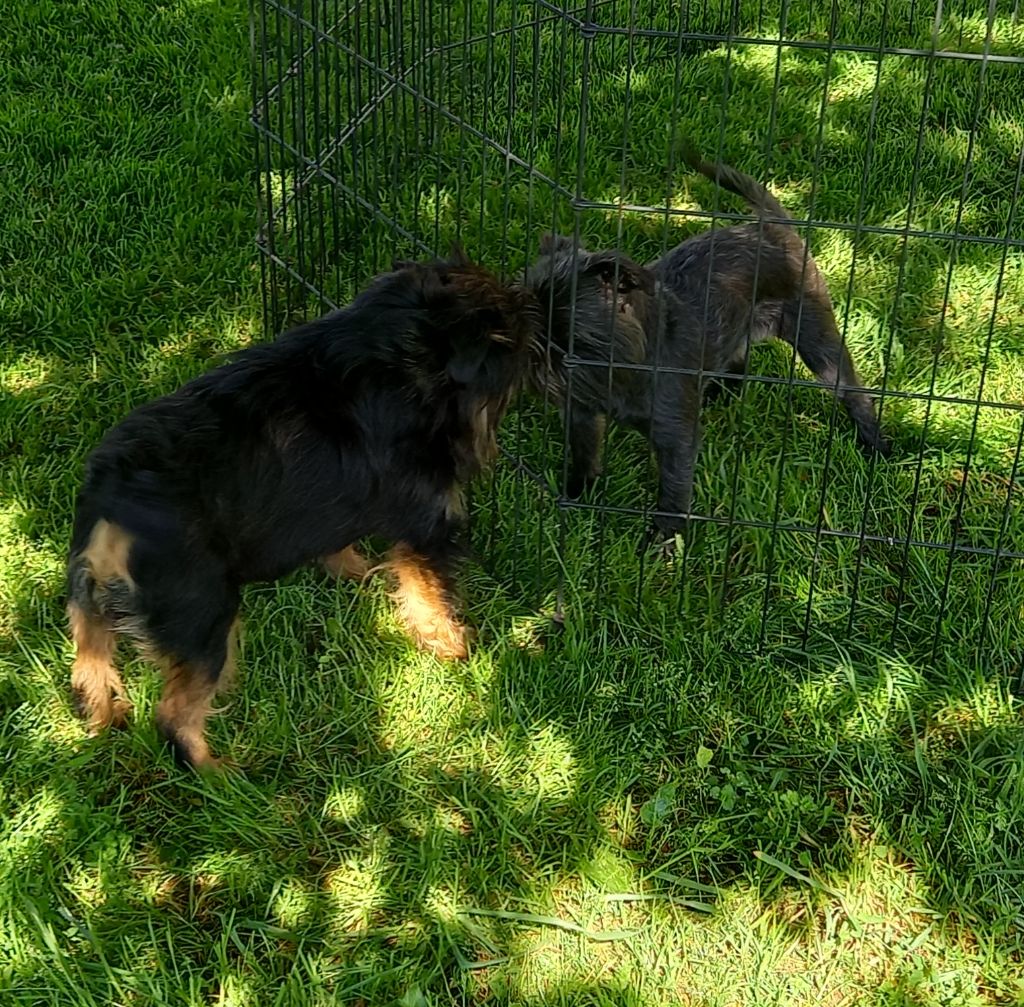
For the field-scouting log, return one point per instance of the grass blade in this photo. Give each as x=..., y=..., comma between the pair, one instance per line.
x=550, y=921
x=796, y=875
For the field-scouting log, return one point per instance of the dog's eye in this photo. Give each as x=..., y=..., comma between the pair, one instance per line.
x=623, y=285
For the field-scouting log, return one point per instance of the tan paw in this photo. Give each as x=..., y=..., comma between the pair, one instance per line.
x=449, y=641
x=112, y=714
x=348, y=563
x=120, y=713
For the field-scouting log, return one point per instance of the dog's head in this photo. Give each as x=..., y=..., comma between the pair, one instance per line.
x=477, y=328
x=472, y=341
x=601, y=303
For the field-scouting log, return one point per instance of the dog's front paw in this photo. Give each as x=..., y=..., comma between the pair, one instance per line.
x=349, y=563
x=110, y=714
x=222, y=766
x=578, y=485
x=663, y=545
x=574, y=488
x=120, y=712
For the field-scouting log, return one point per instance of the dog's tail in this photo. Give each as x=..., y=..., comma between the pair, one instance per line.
x=753, y=192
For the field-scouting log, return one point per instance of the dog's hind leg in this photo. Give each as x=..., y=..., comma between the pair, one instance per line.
x=95, y=682
x=189, y=690
x=811, y=329
x=98, y=575
x=424, y=595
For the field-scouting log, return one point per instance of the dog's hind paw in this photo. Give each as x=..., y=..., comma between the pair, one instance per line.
x=663, y=546
x=448, y=641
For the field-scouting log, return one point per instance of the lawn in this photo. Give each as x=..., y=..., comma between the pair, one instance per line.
x=783, y=770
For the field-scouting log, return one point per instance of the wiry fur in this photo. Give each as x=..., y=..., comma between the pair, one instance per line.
x=610, y=324
x=753, y=282
x=638, y=341
x=364, y=422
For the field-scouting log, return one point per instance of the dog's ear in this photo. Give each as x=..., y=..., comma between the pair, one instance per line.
x=469, y=352
x=457, y=256
x=467, y=310
x=551, y=243
x=475, y=335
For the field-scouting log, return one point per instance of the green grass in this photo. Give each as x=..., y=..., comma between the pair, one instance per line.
x=640, y=810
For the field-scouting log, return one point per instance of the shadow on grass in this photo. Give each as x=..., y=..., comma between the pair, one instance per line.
x=494, y=832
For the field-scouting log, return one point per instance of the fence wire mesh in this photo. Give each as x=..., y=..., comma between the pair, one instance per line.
x=893, y=132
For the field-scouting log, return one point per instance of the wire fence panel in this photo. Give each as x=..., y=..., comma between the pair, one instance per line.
x=891, y=132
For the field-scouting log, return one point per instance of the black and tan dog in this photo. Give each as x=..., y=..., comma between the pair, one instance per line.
x=638, y=340
x=365, y=422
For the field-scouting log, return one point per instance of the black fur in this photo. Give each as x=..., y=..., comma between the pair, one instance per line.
x=364, y=422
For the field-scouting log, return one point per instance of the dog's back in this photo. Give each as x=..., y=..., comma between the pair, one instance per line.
x=756, y=281
x=741, y=276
